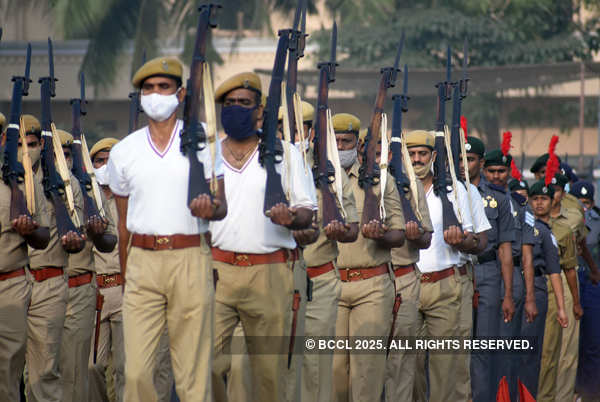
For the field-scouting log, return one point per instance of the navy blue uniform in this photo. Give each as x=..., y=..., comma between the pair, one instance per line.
x=488, y=280
x=545, y=261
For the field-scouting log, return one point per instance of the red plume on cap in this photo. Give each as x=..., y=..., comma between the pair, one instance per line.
x=463, y=124
x=514, y=171
x=552, y=165
x=506, y=137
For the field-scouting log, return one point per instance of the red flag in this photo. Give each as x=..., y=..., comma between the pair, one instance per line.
x=524, y=394
x=463, y=124
x=503, y=395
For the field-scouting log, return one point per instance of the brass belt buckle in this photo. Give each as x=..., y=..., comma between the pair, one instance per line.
x=161, y=241
x=355, y=274
x=241, y=260
x=426, y=277
x=109, y=279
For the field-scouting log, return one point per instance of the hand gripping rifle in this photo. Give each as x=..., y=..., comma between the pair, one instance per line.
x=396, y=167
x=193, y=136
x=274, y=193
x=369, y=171
x=296, y=45
x=12, y=170
x=459, y=93
x=324, y=172
x=78, y=106
x=54, y=186
x=440, y=186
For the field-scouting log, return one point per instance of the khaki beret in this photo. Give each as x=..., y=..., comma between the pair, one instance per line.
x=243, y=80
x=105, y=144
x=345, y=123
x=308, y=112
x=420, y=138
x=2, y=121
x=169, y=66
x=66, y=139
x=32, y=124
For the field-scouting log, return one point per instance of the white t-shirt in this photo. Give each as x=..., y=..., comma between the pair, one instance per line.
x=478, y=217
x=246, y=229
x=441, y=255
x=157, y=183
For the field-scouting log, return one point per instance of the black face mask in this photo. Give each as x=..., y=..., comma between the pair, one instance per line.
x=237, y=121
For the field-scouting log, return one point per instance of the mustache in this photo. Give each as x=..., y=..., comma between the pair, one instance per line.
x=418, y=164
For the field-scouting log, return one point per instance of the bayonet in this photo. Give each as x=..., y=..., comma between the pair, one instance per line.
x=27, y=80
x=51, y=69
x=464, y=81
x=83, y=101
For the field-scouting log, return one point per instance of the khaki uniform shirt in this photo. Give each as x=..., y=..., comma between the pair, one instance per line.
x=324, y=250
x=567, y=247
x=108, y=263
x=54, y=255
x=83, y=261
x=408, y=254
x=571, y=202
x=13, y=247
x=364, y=252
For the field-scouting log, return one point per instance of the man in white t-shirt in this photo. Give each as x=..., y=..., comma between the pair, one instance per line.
x=440, y=298
x=164, y=258
x=255, y=254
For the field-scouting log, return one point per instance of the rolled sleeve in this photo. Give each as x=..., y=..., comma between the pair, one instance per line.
x=117, y=179
x=506, y=223
x=550, y=254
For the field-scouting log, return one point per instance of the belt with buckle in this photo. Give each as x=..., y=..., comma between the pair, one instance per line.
x=249, y=259
x=313, y=272
x=171, y=242
x=359, y=274
x=432, y=277
x=41, y=274
x=401, y=270
x=12, y=274
x=80, y=280
x=109, y=280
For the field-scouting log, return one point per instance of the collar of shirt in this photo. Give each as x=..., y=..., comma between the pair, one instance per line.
x=542, y=222
x=354, y=169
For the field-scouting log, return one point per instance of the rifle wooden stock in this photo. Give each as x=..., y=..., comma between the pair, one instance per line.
x=323, y=174
x=274, y=193
x=369, y=172
x=193, y=137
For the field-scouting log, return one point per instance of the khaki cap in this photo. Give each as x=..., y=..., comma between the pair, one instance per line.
x=105, y=144
x=66, y=139
x=243, y=80
x=32, y=124
x=168, y=66
x=346, y=123
x=420, y=138
x=308, y=112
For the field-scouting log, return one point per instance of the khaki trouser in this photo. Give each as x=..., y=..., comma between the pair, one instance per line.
x=239, y=379
x=401, y=366
x=15, y=295
x=163, y=369
x=550, y=349
x=76, y=340
x=364, y=310
x=465, y=328
x=261, y=297
x=171, y=288
x=110, y=344
x=321, y=315
x=569, y=350
x=439, y=312
x=45, y=323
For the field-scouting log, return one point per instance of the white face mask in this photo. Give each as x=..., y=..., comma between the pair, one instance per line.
x=102, y=175
x=159, y=107
x=348, y=157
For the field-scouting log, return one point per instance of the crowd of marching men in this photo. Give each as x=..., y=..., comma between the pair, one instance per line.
x=180, y=263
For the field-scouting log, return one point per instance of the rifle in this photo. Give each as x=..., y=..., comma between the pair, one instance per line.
x=53, y=183
x=79, y=109
x=324, y=173
x=274, y=193
x=13, y=171
x=369, y=171
x=193, y=137
x=459, y=93
x=439, y=166
x=134, y=105
x=296, y=45
x=396, y=168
